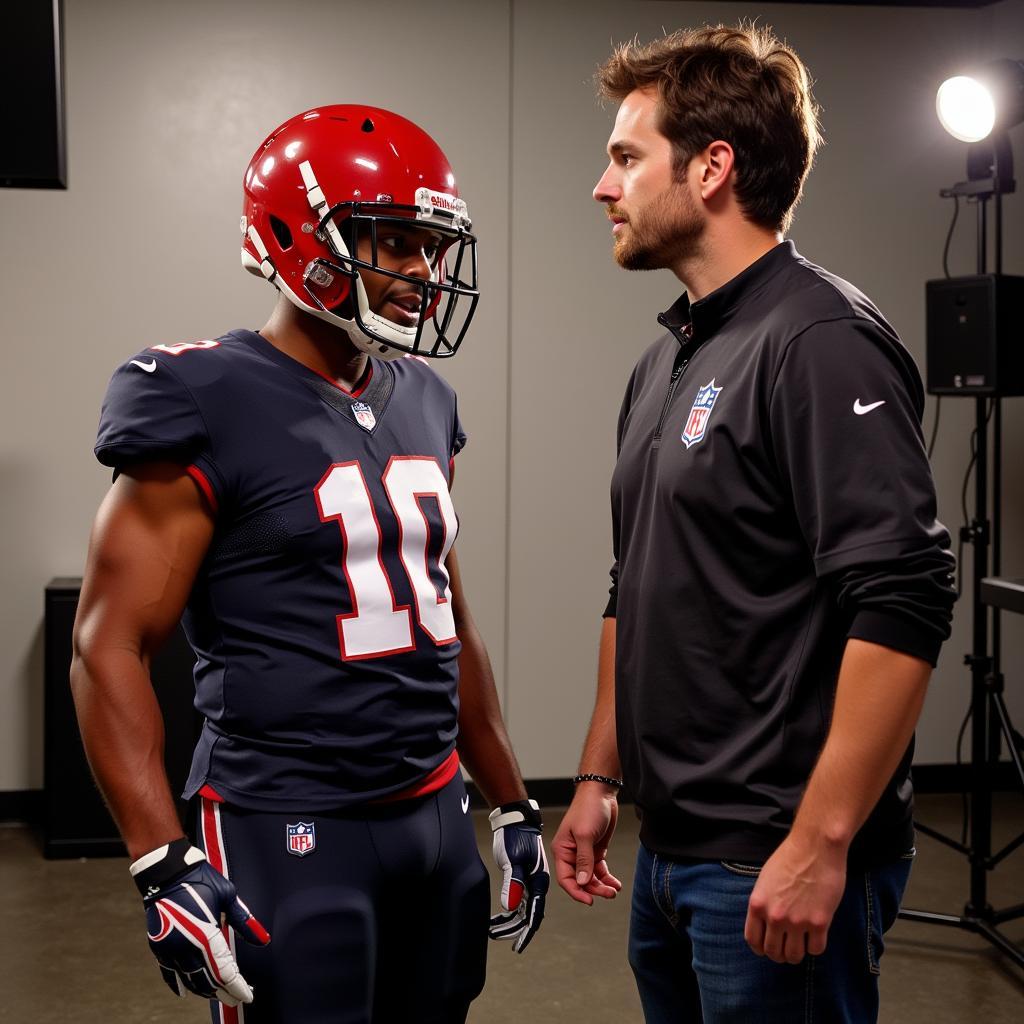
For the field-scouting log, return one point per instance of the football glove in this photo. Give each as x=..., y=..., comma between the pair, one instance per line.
x=185, y=901
x=519, y=852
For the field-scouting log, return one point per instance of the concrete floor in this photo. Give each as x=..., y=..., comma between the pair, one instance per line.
x=72, y=949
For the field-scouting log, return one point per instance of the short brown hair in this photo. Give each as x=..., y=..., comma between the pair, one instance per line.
x=739, y=84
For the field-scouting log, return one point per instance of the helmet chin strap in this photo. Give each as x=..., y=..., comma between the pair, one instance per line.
x=377, y=347
x=386, y=328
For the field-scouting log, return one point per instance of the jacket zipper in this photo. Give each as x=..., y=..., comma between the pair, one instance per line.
x=677, y=372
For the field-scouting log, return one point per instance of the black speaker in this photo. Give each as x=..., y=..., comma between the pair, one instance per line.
x=975, y=335
x=76, y=822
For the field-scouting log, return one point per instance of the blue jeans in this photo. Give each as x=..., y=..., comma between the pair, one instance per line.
x=692, y=964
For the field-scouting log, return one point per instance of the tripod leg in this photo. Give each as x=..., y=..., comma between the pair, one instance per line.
x=1001, y=942
x=1010, y=733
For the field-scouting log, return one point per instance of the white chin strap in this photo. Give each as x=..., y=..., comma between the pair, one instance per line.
x=375, y=347
x=384, y=327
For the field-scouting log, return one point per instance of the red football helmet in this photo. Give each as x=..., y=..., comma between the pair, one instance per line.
x=324, y=181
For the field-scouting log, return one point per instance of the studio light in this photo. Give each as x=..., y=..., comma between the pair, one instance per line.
x=965, y=108
x=971, y=106
x=973, y=341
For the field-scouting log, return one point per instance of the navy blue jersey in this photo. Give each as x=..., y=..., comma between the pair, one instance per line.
x=321, y=617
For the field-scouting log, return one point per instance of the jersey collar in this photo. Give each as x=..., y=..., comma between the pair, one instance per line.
x=698, y=321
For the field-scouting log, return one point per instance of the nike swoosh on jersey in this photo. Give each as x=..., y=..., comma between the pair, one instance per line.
x=148, y=367
x=860, y=410
x=465, y=804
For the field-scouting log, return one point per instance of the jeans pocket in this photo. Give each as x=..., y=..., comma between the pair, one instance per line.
x=738, y=868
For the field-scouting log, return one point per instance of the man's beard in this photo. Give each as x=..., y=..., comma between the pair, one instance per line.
x=667, y=230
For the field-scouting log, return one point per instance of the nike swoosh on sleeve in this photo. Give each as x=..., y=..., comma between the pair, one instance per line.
x=860, y=410
x=148, y=367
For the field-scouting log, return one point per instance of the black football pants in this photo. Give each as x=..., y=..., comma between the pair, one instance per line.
x=384, y=921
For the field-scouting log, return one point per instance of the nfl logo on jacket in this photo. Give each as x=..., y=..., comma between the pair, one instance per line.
x=700, y=413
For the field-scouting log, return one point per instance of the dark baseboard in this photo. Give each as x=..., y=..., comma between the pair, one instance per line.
x=21, y=805
x=956, y=778
x=26, y=805
x=547, y=792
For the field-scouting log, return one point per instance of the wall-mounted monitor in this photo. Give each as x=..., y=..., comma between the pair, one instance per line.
x=32, y=147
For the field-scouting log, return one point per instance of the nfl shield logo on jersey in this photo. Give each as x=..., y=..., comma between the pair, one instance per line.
x=301, y=838
x=700, y=413
x=364, y=415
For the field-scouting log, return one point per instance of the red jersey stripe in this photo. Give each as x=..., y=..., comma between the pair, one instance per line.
x=437, y=779
x=204, y=485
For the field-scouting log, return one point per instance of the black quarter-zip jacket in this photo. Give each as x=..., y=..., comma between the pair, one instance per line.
x=772, y=497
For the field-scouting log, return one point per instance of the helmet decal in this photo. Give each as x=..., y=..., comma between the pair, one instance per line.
x=266, y=267
x=428, y=202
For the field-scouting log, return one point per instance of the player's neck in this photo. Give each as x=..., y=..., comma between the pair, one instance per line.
x=325, y=349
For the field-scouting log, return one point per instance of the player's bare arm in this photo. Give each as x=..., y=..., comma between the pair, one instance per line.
x=879, y=697
x=580, y=846
x=483, y=743
x=150, y=536
x=485, y=749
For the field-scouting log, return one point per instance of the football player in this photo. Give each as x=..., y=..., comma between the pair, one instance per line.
x=287, y=493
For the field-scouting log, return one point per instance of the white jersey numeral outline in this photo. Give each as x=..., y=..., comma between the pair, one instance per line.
x=185, y=346
x=378, y=625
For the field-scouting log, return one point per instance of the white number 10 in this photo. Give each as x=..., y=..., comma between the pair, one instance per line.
x=377, y=625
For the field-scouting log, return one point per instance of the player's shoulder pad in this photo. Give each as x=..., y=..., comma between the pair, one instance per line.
x=419, y=368
x=199, y=361
x=150, y=409
x=415, y=372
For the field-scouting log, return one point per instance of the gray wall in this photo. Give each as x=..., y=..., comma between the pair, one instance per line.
x=166, y=104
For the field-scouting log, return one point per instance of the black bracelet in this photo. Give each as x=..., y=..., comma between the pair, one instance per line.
x=591, y=777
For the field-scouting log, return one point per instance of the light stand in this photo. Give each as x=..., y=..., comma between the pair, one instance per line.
x=990, y=176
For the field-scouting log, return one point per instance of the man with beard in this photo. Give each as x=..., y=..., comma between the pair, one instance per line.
x=289, y=491
x=781, y=586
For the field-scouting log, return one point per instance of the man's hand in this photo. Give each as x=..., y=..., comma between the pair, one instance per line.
x=519, y=852
x=794, y=900
x=581, y=844
x=185, y=901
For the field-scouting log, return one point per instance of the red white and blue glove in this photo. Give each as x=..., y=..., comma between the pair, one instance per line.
x=186, y=903
x=519, y=852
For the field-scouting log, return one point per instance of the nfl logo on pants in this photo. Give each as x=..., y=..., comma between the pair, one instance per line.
x=301, y=838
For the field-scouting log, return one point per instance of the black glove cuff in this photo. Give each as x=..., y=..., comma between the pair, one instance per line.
x=520, y=812
x=156, y=869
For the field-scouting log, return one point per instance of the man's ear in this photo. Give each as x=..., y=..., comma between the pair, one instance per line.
x=715, y=164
